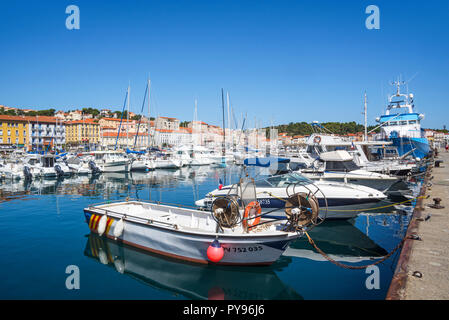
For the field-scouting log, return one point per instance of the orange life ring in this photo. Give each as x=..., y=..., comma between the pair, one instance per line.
x=317, y=139
x=252, y=205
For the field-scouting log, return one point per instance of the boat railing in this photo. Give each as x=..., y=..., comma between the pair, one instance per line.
x=146, y=201
x=133, y=218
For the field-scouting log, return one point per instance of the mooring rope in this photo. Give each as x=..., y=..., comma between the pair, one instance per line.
x=346, y=266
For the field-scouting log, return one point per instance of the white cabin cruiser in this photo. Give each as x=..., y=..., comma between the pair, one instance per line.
x=168, y=161
x=200, y=156
x=344, y=201
x=49, y=168
x=218, y=158
x=82, y=166
x=111, y=161
x=12, y=170
x=141, y=163
x=339, y=166
x=319, y=143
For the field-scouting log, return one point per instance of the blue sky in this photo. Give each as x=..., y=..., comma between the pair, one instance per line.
x=281, y=61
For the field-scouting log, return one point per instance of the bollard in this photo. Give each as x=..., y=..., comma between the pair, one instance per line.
x=436, y=204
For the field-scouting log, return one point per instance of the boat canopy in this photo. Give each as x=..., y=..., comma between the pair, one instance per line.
x=338, y=155
x=265, y=162
x=282, y=181
x=128, y=151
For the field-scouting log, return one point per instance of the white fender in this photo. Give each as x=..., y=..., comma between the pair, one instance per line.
x=118, y=229
x=102, y=225
x=102, y=256
x=119, y=266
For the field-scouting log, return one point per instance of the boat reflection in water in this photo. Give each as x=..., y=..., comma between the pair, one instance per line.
x=340, y=240
x=106, y=184
x=191, y=280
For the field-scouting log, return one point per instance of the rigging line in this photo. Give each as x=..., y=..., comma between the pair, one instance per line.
x=141, y=111
x=121, y=119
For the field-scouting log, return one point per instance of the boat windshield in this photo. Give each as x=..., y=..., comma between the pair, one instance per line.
x=48, y=162
x=282, y=180
x=345, y=166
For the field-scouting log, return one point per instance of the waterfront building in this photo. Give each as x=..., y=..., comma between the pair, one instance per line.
x=130, y=126
x=85, y=131
x=14, y=131
x=165, y=137
x=166, y=123
x=110, y=141
x=45, y=132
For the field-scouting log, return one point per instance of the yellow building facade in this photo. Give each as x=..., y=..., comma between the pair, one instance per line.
x=14, y=131
x=82, y=132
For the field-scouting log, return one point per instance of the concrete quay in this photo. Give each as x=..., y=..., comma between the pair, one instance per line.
x=422, y=272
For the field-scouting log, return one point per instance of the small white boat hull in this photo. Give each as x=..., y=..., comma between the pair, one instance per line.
x=189, y=244
x=167, y=164
x=122, y=166
x=139, y=165
x=201, y=162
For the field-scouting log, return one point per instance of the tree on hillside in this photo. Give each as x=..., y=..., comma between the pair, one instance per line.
x=94, y=112
x=304, y=128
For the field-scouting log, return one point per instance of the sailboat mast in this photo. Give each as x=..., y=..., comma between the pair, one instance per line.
x=229, y=116
x=127, y=120
x=195, y=124
x=366, y=117
x=224, y=131
x=149, y=119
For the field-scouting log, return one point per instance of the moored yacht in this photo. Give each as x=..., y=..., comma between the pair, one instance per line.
x=343, y=201
x=339, y=166
x=111, y=161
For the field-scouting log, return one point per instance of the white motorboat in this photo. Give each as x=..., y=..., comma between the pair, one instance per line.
x=339, y=166
x=182, y=154
x=111, y=161
x=194, y=235
x=160, y=163
x=81, y=166
x=218, y=158
x=319, y=143
x=167, y=161
x=400, y=167
x=12, y=170
x=141, y=163
x=49, y=168
x=344, y=201
x=200, y=156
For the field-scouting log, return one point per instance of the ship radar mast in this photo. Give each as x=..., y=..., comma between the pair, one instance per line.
x=395, y=103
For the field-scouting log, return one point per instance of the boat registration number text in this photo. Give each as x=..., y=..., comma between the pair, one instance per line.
x=264, y=201
x=242, y=250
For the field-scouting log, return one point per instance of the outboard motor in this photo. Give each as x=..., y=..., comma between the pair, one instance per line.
x=93, y=167
x=27, y=173
x=59, y=171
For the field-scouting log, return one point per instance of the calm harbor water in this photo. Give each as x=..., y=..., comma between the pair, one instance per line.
x=43, y=229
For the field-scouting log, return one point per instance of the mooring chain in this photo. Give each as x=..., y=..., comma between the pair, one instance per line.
x=346, y=266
